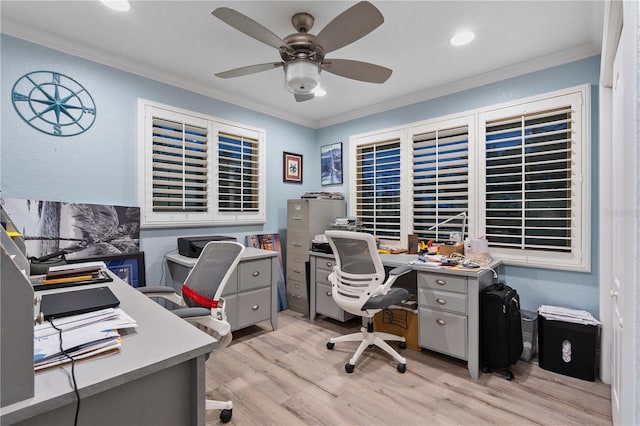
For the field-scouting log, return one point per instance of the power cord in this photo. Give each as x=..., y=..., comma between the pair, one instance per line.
x=163, y=265
x=73, y=372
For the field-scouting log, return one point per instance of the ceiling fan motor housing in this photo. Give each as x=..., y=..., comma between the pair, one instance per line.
x=301, y=76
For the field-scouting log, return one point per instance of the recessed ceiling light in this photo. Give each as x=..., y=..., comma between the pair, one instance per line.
x=463, y=37
x=119, y=5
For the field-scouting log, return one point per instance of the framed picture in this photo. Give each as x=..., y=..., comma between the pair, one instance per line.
x=331, y=164
x=291, y=167
x=129, y=267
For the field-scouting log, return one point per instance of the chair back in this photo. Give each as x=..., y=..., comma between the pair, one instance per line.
x=359, y=272
x=209, y=276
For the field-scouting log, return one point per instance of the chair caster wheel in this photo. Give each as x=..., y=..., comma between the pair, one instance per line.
x=486, y=370
x=330, y=345
x=225, y=415
x=508, y=375
x=402, y=345
x=349, y=368
x=402, y=368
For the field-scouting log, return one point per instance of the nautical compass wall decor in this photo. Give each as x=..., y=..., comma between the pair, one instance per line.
x=53, y=103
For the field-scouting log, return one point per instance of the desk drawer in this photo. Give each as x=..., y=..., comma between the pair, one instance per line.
x=446, y=300
x=323, y=264
x=254, y=274
x=442, y=282
x=254, y=306
x=443, y=332
x=325, y=304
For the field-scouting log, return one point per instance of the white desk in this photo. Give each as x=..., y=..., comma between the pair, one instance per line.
x=251, y=295
x=157, y=378
x=450, y=328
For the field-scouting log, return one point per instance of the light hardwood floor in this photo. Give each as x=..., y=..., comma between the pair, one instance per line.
x=289, y=377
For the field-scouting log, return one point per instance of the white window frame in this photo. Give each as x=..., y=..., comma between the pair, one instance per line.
x=579, y=259
x=214, y=125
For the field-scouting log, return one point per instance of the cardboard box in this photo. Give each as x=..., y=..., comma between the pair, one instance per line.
x=401, y=322
x=568, y=348
x=447, y=250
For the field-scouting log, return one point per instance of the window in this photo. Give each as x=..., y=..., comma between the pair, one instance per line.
x=441, y=177
x=534, y=199
x=517, y=169
x=198, y=170
x=377, y=184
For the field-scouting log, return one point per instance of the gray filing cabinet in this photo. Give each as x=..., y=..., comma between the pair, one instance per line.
x=306, y=218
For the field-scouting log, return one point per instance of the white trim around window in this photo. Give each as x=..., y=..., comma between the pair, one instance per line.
x=198, y=170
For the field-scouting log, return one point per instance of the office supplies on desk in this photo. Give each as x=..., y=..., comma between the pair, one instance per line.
x=40, y=283
x=64, y=304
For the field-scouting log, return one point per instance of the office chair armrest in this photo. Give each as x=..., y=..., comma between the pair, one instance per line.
x=400, y=270
x=207, y=318
x=163, y=292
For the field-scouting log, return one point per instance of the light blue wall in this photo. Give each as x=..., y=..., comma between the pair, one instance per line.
x=536, y=286
x=99, y=166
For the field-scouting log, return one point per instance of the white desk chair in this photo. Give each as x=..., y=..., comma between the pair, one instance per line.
x=201, y=303
x=358, y=286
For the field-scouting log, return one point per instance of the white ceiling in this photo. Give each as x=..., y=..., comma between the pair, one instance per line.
x=181, y=43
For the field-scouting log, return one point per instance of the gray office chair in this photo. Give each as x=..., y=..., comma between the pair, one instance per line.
x=201, y=303
x=358, y=286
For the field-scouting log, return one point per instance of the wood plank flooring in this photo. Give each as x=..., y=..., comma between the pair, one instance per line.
x=289, y=377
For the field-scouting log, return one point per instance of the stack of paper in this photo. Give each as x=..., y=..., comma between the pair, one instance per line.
x=83, y=336
x=556, y=313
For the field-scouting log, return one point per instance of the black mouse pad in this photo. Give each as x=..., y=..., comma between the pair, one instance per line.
x=76, y=302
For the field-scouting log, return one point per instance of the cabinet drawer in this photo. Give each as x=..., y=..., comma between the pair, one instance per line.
x=231, y=307
x=442, y=282
x=254, y=274
x=298, y=214
x=297, y=272
x=447, y=300
x=325, y=264
x=322, y=277
x=443, y=332
x=297, y=257
x=232, y=284
x=254, y=306
x=326, y=306
x=297, y=298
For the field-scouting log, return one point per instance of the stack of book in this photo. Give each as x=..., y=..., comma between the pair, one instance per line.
x=70, y=275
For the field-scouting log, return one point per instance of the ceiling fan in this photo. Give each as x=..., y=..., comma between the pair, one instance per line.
x=303, y=54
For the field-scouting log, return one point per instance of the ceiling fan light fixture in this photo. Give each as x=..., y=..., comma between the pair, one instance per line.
x=301, y=76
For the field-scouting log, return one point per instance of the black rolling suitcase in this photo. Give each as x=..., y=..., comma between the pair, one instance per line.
x=500, y=329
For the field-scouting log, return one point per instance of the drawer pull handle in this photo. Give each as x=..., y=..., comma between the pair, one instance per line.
x=329, y=293
x=297, y=271
x=255, y=307
x=297, y=297
x=330, y=264
x=440, y=321
x=441, y=301
x=297, y=244
x=328, y=279
x=296, y=217
x=255, y=273
x=441, y=282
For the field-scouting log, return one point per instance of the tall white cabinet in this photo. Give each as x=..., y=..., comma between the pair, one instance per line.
x=306, y=218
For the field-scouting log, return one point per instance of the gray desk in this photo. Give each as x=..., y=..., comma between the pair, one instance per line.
x=157, y=378
x=448, y=304
x=251, y=295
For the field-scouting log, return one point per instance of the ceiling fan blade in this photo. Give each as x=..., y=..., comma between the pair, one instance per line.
x=302, y=98
x=251, y=69
x=351, y=25
x=357, y=70
x=248, y=26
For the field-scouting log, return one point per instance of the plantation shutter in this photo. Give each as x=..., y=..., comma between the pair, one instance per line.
x=528, y=180
x=238, y=173
x=378, y=188
x=179, y=163
x=440, y=181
